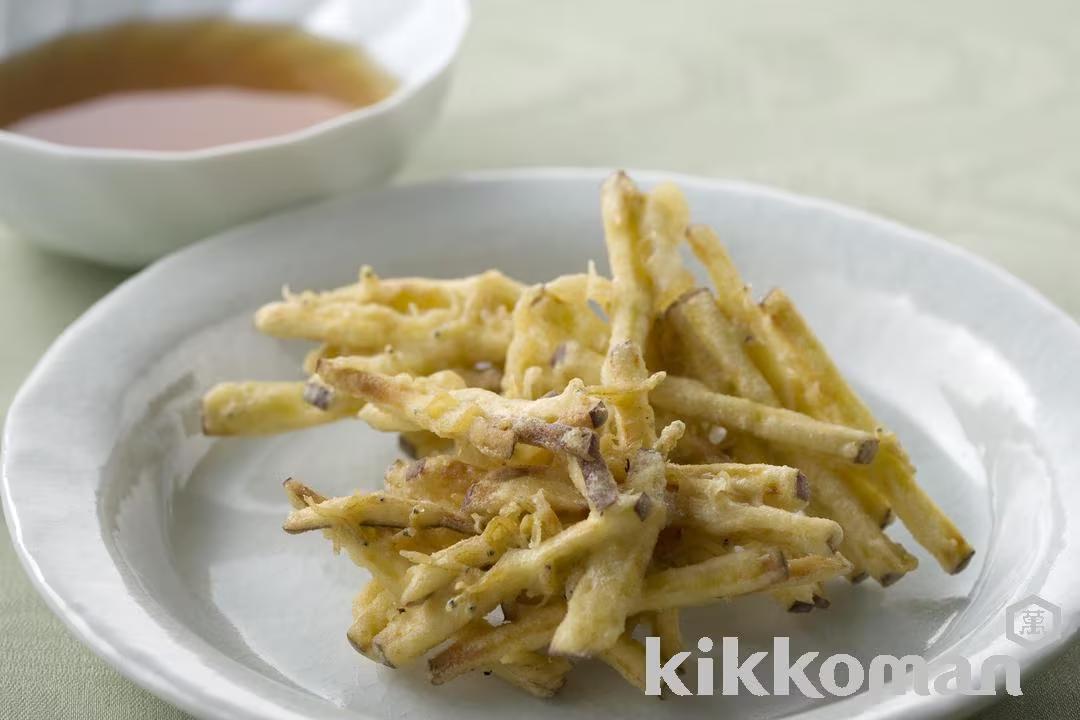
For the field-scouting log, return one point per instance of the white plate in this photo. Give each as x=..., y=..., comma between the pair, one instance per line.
x=161, y=549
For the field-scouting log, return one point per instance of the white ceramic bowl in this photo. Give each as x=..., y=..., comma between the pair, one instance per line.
x=162, y=549
x=128, y=207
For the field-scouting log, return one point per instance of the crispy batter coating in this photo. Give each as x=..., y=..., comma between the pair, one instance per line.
x=586, y=455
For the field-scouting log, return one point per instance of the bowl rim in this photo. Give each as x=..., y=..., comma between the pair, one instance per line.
x=117, y=654
x=460, y=14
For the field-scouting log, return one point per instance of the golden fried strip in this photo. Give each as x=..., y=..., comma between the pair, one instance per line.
x=536, y=674
x=631, y=287
x=440, y=569
x=756, y=484
x=484, y=420
x=711, y=511
x=865, y=544
x=665, y=625
x=372, y=609
x=574, y=523
x=737, y=573
x=634, y=422
x=663, y=228
x=266, y=408
x=378, y=550
x=556, y=338
x=822, y=391
x=491, y=493
x=424, y=625
x=416, y=294
x=870, y=498
x=768, y=423
x=870, y=550
x=603, y=597
x=780, y=364
x=440, y=479
x=376, y=509
x=420, y=444
x=894, y=475
x=713, y=349
x=432, y=323
x=735, y=300
x=391, y=361
x=482, y=645
x=832, y=399
x=508, y=659
x=631, y=312
x=814, y=569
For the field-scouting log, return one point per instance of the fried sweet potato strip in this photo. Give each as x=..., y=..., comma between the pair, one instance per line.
x=480, y=419
x=828, y=396
x=267, y=408
x=603, y=596
x=771, y=424
x=433, y=324
x=585, y=456
x=556, y=338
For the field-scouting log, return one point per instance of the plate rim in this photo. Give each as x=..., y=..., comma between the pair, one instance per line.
x=163, y=685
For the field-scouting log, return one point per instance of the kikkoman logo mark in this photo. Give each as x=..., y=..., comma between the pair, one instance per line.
x=1028, y=622
x=1032, y=621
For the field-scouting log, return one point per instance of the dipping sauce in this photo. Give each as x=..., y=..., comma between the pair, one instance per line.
x=183, y=85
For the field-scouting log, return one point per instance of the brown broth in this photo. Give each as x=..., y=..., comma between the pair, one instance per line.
x=183, y=85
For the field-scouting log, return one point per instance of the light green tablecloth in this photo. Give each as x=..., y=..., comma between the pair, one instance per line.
x=959, y=118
